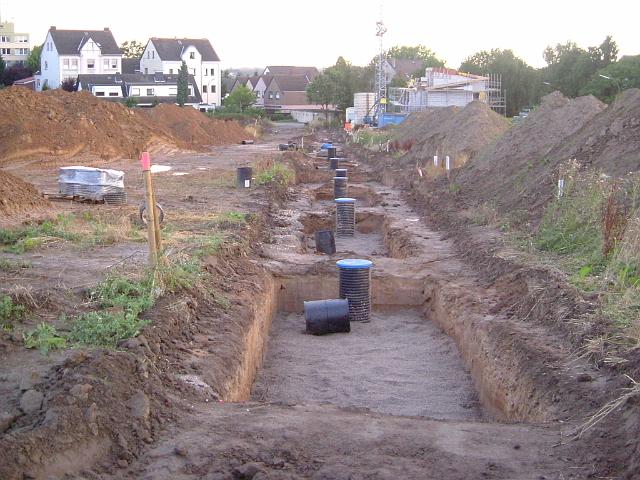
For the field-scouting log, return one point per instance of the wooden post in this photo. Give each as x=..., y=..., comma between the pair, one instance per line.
x=145, y=161
x=156, y=220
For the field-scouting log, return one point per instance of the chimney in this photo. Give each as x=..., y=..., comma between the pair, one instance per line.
x=106, y=29
x=52, y=28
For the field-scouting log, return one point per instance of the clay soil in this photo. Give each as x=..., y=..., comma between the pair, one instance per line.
x=66, y=124
x=468, y=369
x=19, y=199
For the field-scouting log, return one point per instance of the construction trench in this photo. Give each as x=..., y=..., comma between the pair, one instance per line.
x=422, y=391
x=439, y=384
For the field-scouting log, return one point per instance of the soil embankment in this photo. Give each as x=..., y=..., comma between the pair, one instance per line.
x=60, y=123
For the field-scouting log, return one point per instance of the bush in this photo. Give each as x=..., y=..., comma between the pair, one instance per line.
x=10, y=312
x=130, y=102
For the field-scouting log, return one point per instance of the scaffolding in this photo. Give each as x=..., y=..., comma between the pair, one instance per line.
x=381, y=78
x=496, y=97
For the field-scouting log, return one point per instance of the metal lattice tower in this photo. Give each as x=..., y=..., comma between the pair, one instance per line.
x=381, y=80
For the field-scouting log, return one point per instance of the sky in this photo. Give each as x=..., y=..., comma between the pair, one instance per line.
x=249, y=33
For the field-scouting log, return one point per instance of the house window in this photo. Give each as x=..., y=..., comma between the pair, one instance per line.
x=213, y=72
x=135, y=91
x=149, y=91
x=46, y=65
x=193, y=72
x=205, y=72
x=192, y=55
x=173, y=90
x=146, y=71
x=113, y=94
x=65, y=64
x=277, y=95
x=99, y=94
x=114, y=63
x=171, y=71
x=91, y=63
x=270, y=94
x=213, y=89
x=204, y=89
x=5, y=51
x=4, y=39
x=23, y=51
x=258, y=94
x=74, y=64
x=105, y=63
x=153, y=54
x=190, y=91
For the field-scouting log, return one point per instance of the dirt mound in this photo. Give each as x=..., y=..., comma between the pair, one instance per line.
x=611, y=141
x=457, y=132
x=518, y=172
x=62, y=123
x=192, y=127
x=18, y=198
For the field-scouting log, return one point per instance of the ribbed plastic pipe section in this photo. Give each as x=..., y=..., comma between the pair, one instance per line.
x=355, y=286
x=334, y=162
x=341, y=172
x=345, y=217
x=340, y=187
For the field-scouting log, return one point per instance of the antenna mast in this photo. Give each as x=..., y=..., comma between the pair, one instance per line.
x=380, y=82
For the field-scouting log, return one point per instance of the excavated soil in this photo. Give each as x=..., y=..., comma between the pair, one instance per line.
x=457, y=132
x=19, y=200
x=56, y=122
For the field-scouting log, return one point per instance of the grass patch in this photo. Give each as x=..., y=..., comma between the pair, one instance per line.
x=10, y=312
x=7, y=265
x=593, y=232
x=86, y=229
x=45, y=338
x=275, y=173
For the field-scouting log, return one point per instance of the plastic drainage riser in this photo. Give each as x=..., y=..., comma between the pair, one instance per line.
x=331, y=152
x=355, y=286
x=325, y=242
x=340, y=187
x=327, y=316
x=243, y=177
x=345, y=217
x=335, y=162
x=341, y=172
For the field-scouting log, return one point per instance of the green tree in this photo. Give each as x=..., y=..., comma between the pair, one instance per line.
x=519, y=80
x=570, y=68
x=614, y=78
x=417, y=52
x=132, y=49
x=321, y=90
x=33, y=60
x=240, y=99
x=183, y=85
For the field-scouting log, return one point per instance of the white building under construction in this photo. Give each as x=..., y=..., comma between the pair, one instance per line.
x=444, y=87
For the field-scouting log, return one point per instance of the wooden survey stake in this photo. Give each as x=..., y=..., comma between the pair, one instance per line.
x=145, y=161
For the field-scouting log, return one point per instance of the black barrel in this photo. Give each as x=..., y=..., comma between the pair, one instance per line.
x=340, y=187
x=325, y=242
x=341, y=172
x=327, y=316
x=345, y=217
x=243, y=177
x=331, y=152
x=355, y=286
x=335, y=162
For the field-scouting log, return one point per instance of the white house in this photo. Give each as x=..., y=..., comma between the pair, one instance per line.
x=165, y=55
x=69, y=53
x=147, y=90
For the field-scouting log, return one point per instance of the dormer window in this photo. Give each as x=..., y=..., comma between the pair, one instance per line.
x=192, y=55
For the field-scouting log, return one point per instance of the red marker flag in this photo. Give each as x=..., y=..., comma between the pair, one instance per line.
x=145, y=161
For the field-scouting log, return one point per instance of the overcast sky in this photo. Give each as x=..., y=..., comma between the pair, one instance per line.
x=250, y=33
